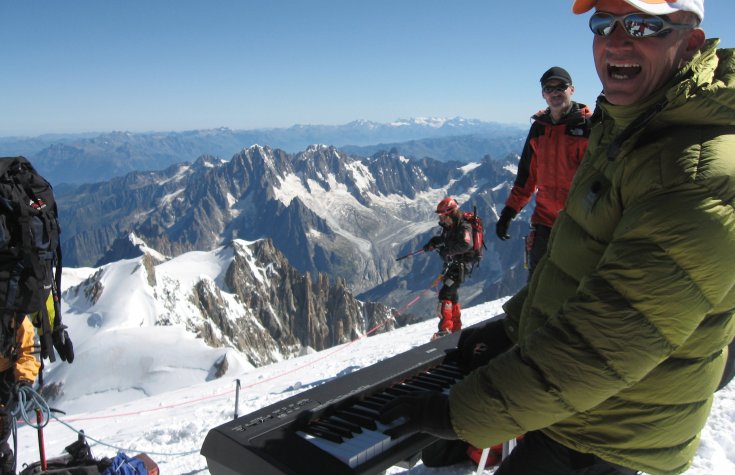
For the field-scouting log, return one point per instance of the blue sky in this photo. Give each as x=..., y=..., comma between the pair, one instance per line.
x=162, y=65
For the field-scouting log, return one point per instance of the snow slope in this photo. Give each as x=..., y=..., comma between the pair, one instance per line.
x=171, y=425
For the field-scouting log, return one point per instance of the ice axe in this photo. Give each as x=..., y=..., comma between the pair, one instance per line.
x=41, y=444
x=409, y=254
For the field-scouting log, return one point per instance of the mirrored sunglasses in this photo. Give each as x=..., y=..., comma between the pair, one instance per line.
x=555, y=88
x=637, y=25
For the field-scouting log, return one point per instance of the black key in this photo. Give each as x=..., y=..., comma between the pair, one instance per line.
x=450, y=373
x=375, y=406
x=425, y=378
x=340, y=431
x=454, y=368
x=384, y=398
x=412, y=389
x=354, y=428
x=441, y=377
x=398, y=391
x=350, y=415
x=324, y=434
x=427, y=386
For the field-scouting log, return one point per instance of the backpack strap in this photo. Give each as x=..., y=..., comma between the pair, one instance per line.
x=9, y=345
x=47, y=343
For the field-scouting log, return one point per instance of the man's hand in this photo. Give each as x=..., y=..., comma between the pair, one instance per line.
x=477, y=346
x=63, y=344
x=501, y=227
x=16, y=399
x=20, y=384
x=436, y=241
x=423, y=412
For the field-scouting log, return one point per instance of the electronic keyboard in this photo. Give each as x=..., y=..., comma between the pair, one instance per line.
x=334, y=428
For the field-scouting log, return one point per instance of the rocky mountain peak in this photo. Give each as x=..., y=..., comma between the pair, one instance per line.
x=243, y=295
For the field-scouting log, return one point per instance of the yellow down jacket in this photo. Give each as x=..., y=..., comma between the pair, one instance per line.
x=621, y=333
x=26, y=366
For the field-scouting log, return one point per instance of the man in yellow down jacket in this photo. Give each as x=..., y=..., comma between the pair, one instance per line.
x=619, y=339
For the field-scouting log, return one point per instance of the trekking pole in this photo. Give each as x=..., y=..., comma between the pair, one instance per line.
x=508, y=447
x=409, y=254
x=41, y=447
x=237, y=396
x=483, y=460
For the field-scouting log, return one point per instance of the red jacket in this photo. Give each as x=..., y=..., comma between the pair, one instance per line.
x=549, y=160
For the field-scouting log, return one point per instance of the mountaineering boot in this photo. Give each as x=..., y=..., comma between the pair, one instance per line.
x=439, y=334
x=446, y=324
x=456, y=318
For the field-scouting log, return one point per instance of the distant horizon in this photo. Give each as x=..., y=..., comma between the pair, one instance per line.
x=144, y=132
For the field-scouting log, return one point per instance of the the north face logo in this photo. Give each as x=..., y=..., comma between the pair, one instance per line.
x=37, y=204
x=576, y=132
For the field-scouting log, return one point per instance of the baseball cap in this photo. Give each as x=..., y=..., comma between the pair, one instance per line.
x=653, y=7
x=556, y=73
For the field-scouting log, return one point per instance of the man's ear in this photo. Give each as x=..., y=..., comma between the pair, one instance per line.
x=695, y=41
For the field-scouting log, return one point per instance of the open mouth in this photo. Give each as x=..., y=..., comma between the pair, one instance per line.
x=623, y=71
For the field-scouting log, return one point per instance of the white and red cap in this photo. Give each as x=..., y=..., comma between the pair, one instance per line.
x=653, y=7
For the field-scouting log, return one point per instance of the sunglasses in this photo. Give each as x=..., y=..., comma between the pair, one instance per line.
x=637, y=25
x=557, y=88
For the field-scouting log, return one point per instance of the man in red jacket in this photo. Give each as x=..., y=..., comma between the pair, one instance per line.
x=554, y=148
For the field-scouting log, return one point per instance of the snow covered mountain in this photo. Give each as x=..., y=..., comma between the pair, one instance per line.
x=239, y=306
x=346, y=216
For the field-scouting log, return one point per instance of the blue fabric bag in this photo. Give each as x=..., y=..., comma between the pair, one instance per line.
x=124, y=465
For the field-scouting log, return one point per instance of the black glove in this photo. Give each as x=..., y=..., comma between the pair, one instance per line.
x=501, y=227
x=7, y=458
x=477, y=346
x=423, y=412
x=436, y=241
x=63, y=344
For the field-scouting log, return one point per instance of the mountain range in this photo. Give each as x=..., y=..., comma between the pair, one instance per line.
x=328, y=212
x=88, y=158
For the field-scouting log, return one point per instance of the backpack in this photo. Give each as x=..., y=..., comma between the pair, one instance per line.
x=30, y=260
x=77, y=460
x=478, y=233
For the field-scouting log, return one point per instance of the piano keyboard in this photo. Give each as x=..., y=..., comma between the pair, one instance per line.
x=354, y=435
x=333, y=428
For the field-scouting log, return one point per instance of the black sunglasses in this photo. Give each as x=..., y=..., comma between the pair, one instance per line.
x=557, y=88
x=637, y=25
